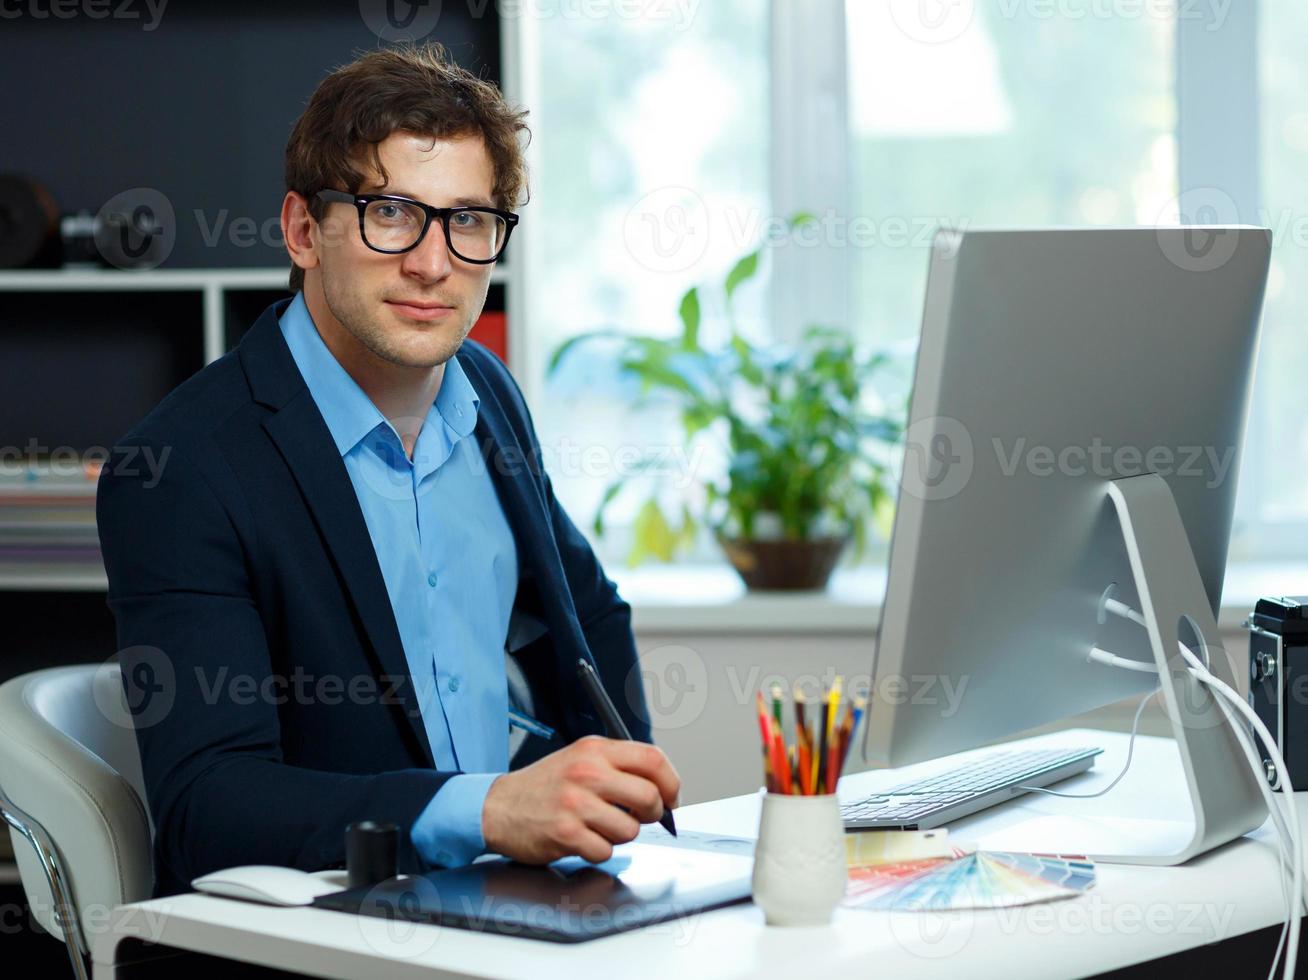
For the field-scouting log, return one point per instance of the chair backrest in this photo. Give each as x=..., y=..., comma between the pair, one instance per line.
x=69, y=761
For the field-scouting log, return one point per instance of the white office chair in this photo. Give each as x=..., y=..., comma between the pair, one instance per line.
x=72, y=793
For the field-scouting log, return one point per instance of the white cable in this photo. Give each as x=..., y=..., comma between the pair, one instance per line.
x=1099, y=655
x=1130, y=751
x=1287, y=794
x=1284, y=868
x=1286, y=823
x=1119, y=608
x=1102, y=656
x=1255, y=762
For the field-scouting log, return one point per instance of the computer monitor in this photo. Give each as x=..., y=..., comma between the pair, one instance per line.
x=1075, y=392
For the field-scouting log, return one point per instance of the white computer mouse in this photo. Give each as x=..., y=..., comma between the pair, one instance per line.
x=266, y=883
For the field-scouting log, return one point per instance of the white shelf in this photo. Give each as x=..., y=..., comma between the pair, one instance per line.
x=65, y=577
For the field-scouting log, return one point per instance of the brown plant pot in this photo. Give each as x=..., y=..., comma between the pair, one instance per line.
x=784, y=565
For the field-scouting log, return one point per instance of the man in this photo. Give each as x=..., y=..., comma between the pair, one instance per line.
x=353, y=566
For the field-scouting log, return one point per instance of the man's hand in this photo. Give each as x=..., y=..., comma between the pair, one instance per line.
x=567, y=803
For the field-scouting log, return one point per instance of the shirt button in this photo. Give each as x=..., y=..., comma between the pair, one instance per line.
x=431, y=580
x=453, y=685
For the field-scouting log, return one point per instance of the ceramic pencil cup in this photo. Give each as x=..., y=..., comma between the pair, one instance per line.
x=799, y=860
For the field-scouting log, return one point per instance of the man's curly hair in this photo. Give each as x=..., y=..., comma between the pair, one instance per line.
x=410, y=88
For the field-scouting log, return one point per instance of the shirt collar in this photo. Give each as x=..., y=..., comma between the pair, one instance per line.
x=348, y=411
x=457, y=401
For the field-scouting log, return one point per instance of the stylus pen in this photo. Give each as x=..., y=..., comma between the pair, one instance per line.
x=613, y=724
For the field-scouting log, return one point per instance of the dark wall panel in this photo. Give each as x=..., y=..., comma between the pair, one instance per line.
x=198, y=108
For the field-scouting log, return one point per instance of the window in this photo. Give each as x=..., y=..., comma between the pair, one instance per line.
x=649, y=173
x=1024, y=114
x=660, y=160
x=1274, y=496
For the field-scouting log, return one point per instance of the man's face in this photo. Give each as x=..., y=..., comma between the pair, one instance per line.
x=413, y=309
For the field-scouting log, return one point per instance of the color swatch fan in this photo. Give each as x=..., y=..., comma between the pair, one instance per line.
x=905, y=871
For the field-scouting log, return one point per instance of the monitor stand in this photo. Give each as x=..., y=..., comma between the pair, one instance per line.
x=1225, y=799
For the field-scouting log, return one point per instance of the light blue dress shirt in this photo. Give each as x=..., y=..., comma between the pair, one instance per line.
x=450, y=565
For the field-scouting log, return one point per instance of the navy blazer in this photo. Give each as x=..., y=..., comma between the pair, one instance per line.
x=270, y=692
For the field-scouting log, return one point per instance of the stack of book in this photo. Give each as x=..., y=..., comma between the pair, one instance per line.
x=47, y=515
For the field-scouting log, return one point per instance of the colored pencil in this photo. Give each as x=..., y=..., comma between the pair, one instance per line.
x=852, y=718
x=781, y=775
x=805, y=768
x=811, y=763
x=803, y=742
x=765, y=735
x=820, y=778
x=833, y=696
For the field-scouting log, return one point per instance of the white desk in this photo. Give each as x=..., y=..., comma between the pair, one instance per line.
x=1133, y=914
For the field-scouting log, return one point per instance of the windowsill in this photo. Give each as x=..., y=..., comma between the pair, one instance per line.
x=712, y=599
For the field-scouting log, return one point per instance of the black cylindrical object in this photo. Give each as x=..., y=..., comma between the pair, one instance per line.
x=371, y=852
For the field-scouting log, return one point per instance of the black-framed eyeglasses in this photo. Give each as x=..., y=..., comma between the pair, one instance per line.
x=392, y=224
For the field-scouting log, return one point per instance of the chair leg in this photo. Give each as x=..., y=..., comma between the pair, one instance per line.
x=60, y=890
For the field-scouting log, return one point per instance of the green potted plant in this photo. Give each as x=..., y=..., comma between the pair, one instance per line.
x=805, y=458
